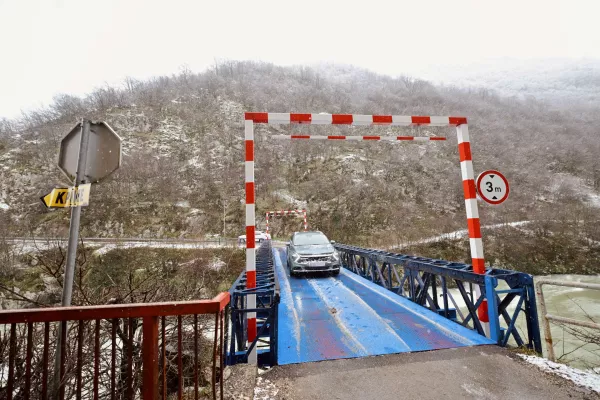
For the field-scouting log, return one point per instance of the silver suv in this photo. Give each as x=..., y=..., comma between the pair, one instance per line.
x=312, y=252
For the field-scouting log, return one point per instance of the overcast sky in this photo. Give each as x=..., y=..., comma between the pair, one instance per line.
x=52, y=46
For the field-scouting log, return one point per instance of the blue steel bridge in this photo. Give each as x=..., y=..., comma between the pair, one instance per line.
x=381, y=303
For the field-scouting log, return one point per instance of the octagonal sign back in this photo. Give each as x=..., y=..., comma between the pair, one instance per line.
x=103, y=155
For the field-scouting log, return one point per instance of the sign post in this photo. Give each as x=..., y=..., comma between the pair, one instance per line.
x=89, y=152
x=71, y=251
x=75, y=217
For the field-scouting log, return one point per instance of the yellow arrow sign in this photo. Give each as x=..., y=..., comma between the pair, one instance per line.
x=68, y=197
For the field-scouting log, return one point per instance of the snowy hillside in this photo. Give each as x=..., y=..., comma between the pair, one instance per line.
x=182, y=173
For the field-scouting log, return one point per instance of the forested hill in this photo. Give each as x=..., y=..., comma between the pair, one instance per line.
x=182, y=173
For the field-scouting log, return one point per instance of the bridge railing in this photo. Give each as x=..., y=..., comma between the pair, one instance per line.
x=123, y=351
x=427, y=281
x=267, y=306
x=546, y=318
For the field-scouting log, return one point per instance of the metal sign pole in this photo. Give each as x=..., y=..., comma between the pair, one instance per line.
x=75, y=218
x=72, y=247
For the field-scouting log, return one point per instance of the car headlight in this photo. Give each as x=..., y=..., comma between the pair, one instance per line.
x=295, y=256
x=335, y=256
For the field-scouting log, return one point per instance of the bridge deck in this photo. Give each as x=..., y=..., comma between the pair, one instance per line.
x=326, y=318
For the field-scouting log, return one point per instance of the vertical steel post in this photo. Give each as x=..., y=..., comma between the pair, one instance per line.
x=475, y=240
x=250, y=236
x=492, y=302
x=67, y=293
x=547, y=331
x=445, y=294
x=533, y=325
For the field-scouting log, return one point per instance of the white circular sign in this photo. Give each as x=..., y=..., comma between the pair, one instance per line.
x=492, y=187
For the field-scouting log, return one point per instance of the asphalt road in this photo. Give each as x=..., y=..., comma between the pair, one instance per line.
x=481, y=372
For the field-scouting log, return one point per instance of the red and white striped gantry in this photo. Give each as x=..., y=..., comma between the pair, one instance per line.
x=466, y=167
x=301, y=213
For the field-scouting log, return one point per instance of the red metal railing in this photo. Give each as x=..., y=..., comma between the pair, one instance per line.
x=114, y=351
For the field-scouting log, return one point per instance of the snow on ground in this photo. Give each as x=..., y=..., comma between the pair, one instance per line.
x=290, y=199
x=216, y=264
x=594, y=199
x=587, y=379
x=105, y=249
x=350, y=157
x=575, y=185
x=230, y=109
x=3, y=374
x=264, y=389
x=195, y=162
x=161, y=245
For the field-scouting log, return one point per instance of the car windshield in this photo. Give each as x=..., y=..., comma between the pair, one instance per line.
x=305, y=239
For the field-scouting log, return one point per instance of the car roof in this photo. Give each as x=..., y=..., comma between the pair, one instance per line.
x=307, y=233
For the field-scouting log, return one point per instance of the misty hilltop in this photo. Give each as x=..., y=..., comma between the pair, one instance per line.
x=182, y=173
x=557, y=81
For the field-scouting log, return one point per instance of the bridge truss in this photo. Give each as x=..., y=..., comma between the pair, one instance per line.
x=466, y=166
x=425, y=281
x=297, y=213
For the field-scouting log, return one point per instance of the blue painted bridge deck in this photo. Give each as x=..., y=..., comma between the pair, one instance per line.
x=325, y=318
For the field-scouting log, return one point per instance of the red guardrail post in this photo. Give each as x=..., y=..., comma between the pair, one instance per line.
x=150, y=358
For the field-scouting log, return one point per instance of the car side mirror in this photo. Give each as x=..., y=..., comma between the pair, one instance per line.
x=332, y=242
x=288, y=244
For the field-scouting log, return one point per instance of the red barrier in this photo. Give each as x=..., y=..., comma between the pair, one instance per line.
x=113, y=349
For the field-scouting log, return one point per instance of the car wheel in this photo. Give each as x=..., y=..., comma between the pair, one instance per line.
x=335, y=273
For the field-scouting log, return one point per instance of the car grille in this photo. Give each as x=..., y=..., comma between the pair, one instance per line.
x=318, y=258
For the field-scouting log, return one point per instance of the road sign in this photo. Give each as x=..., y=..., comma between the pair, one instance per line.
x=103, y=152
x=78, y=196
x=492, y=187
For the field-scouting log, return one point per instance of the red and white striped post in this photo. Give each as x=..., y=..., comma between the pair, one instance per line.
x=475, y=240
x=301, y=213
x=305, y=221
x=267, y=229
x=250, y=236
